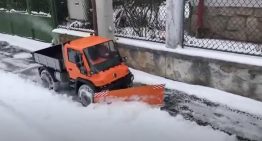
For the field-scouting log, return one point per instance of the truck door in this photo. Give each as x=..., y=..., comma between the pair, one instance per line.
x=71, y=64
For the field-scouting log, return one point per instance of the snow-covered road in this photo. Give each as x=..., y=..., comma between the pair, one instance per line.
x=33, y=109
x=30, y=112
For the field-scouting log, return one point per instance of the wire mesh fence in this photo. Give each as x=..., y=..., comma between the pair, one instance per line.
x=140, y=19
x=225, y=25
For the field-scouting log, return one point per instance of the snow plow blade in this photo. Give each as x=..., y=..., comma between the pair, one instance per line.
x=151, y=94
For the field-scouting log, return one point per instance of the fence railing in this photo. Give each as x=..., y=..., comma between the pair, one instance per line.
x=225, y=25
x=27, y=18
x=140, y=19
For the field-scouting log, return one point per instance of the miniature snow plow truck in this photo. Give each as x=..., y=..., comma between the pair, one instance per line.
x=93, y=67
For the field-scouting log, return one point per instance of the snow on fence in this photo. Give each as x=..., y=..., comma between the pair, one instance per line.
x=38, y=8
x=145, y=20
x=225, y=25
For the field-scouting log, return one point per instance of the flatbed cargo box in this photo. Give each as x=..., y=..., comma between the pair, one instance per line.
x=51, y=57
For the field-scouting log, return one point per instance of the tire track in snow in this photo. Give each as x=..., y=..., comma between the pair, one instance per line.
x=244, y=125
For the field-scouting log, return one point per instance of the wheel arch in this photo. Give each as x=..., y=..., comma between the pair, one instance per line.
x=51, y=72
x=80, y=81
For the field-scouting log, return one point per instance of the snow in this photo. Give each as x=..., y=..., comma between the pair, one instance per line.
x=28, y=44
x=30, y=112
x=22, y=55
x=17, y=11
x=41, y=13
x=149, y=35
x=71, y=32
x=229, y=99
x=224, y=56
x=214, y=95
x=224, y=45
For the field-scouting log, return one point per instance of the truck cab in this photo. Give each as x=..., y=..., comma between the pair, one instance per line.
x=96, y=59
x=90, y=65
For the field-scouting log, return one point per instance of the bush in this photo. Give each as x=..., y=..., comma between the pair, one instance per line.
x=40, y=6
x=18, y=5
x=3, y=4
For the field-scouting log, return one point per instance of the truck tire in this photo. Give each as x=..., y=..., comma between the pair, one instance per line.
x=86, y=93
x=47, y=80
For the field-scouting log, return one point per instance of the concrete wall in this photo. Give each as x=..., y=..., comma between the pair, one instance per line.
x=241, y=79
x=245, y=80
x=234, y=23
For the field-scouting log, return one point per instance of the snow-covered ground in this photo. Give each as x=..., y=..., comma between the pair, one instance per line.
x=30, y=112
x=215, y=95
x=28, y=44
x=35, y=110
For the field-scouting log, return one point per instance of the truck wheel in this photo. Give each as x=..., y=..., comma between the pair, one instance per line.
x=85, y=93
x=47, y=80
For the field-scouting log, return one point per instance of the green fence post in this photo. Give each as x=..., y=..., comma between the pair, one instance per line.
x=28, y=9
x=53, y=12
x=28, y=4
x=11, y=26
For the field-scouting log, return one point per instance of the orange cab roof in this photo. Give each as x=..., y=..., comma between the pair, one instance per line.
x=82, y=43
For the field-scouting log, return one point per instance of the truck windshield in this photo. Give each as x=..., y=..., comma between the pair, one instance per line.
x=103, y=56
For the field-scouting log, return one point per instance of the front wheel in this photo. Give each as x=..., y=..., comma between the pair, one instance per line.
x=85, y=93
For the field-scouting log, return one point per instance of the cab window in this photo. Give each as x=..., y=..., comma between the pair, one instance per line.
x=71, y=55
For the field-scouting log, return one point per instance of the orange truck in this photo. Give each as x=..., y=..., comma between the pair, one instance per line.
x=93, y=67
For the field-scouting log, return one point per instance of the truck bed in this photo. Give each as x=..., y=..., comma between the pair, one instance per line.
x=51, y=57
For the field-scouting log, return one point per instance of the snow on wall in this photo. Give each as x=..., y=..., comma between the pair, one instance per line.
x=40, y=13
x=71, y=32
x=225, y=56
x=24, y=43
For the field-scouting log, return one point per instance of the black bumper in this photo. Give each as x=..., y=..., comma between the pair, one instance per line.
x=120, y=83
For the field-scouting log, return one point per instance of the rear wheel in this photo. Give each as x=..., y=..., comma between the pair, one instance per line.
x=47, y=80
x=85, y=93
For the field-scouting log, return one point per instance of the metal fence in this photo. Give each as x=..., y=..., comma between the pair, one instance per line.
x=39, y=8
x=225, y=25
x=140, y=19
x=27, y=18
